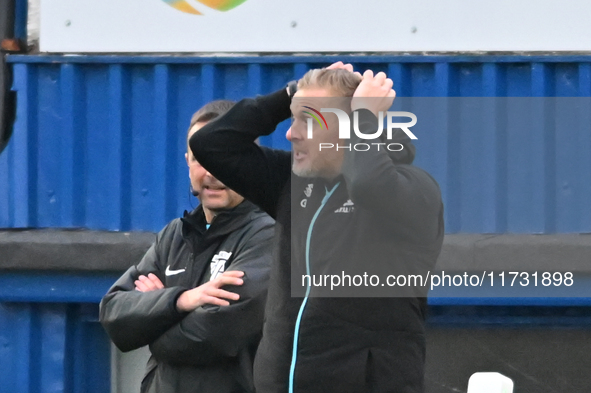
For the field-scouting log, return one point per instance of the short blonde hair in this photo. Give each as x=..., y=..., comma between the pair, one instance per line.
x=340, y=82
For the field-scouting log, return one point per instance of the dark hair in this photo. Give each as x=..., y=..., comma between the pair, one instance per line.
x=211, y=111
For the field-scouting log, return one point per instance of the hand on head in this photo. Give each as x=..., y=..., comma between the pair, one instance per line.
x=339, y=65
x=374, y=92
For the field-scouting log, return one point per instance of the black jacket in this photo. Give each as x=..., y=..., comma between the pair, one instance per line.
x=350, y=344
x=212, y=348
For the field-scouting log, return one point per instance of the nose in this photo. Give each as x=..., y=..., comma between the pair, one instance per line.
x=295, y=132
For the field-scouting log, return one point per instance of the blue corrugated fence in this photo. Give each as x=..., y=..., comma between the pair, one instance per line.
x=99, y=140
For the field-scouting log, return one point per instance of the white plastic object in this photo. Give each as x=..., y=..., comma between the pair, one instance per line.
x=489, y=383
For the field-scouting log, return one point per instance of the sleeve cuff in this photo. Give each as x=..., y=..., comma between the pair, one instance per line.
x=276, y=105
x=175, y=298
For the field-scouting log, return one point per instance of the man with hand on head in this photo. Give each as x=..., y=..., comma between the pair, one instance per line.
x=198, y=295
x=369, y=208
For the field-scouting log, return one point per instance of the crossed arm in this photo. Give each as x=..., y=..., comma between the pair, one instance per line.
x=139, y=310
x=209, y=293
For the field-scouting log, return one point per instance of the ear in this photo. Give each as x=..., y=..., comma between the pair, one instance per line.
x=187, y=158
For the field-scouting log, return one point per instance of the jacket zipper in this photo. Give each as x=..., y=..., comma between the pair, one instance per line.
x=301, y=312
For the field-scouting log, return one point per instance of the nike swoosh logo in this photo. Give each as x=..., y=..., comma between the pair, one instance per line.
x=169, y=272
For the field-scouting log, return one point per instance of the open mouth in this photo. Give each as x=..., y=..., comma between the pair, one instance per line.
x=299, y=155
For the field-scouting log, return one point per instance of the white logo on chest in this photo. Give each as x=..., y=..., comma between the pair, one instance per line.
x=307, y=193
x=218, y=264
x=347, y=207
x=169, y=272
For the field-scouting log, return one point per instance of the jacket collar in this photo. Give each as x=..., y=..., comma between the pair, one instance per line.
x=224, y=223
x=323, y=185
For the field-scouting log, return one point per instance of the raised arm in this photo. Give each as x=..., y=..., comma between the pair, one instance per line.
x=226, y=147
x=383, y=181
